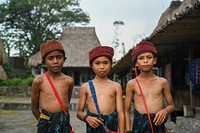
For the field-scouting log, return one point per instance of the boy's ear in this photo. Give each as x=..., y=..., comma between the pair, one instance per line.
x=155, y=61
x=136, y=64
x=43, y=62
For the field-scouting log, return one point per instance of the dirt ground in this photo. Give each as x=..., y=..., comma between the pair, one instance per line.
x=13, y=121
x=22, y=121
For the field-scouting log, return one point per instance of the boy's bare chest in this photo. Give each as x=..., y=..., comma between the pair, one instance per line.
x=103, y=92
x=59, y=86
x=104, y=96
x=149, y=88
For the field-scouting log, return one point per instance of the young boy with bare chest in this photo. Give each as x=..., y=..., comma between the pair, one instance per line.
x=51, y=118
x=108, y=93
x=153, y=88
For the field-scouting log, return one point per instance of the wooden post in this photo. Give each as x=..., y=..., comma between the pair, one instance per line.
x=191, y=56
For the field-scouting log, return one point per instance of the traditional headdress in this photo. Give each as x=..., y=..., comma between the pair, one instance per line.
x=101, y=51
x=142, y=48
x=50, y=46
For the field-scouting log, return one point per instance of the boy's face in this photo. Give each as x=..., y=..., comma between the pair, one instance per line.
x=54, y=61
x=101, y=66
x=146, y=61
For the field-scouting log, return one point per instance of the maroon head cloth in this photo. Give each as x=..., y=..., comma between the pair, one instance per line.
x=50, y=46
x=142, y=48
x=101, y=51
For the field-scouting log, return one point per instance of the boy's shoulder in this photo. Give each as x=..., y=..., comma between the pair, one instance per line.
x=85, y=84
x=132, y=84
x=161, y=79
x=114, y=83
x=132, y=81
x=68, y=78
x=39, y=78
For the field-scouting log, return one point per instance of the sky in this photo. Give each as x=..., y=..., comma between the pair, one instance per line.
x=140, y=18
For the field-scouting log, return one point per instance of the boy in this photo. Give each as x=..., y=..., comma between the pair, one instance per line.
x=108, y=93
x=154, y=89
x=51, y=118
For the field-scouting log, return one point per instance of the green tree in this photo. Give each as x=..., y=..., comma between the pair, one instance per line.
x=25, y=24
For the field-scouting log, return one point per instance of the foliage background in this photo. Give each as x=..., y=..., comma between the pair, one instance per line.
x=25, y=24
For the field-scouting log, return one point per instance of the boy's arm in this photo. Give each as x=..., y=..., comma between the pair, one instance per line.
x=168, y=97
x=128, y=100
x=71, y=85
x=120, y=111
x=92, y=121
x=162, y=114
x=81, y=105
x=35, y=97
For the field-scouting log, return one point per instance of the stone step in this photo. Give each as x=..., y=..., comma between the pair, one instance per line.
x=188, y=123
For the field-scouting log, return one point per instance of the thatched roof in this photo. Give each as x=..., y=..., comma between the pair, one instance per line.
x=3, y=75
x=177, y=28
x=77, y=42
x=34, y=60
x=3, y=55
x=3, y=60
x=174, y=12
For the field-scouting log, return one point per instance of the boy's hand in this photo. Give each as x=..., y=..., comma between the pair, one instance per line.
x=160, y=117
x=94, y=121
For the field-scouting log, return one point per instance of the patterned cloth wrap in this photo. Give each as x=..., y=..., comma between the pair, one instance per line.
x=141, y=123
x=53, y=123
x=109, y=120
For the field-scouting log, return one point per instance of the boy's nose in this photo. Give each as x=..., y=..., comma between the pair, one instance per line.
x=55, y=60
x=101, y=65
x=145, y=59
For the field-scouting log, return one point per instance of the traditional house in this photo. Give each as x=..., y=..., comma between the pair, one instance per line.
x=77, y=42
x=177, y=39
x=3, y=60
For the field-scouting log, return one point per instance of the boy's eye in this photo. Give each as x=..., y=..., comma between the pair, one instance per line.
x=50, y=58
x=148, y=57
x=97, y=63
x=140, y=58
x=105, y=62
x=59, y=57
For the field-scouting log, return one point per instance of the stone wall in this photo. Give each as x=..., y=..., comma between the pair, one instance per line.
x=25, y=91
x=17, y=91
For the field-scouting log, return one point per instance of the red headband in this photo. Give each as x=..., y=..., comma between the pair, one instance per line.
x=142, y=48
x=101, y=51
x=50, y=46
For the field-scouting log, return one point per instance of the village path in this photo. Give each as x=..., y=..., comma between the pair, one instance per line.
x=22, y=121
x=13, y=121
